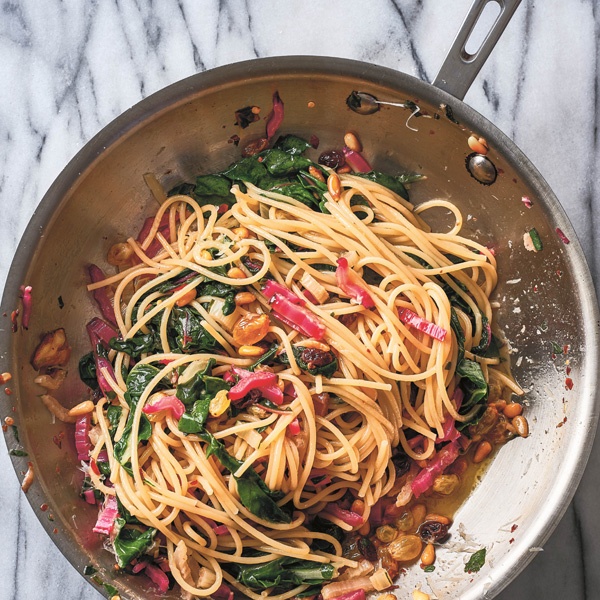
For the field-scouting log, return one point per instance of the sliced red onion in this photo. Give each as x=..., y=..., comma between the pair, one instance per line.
x=351, y=284
x=275, y=118
x=563, y=238
x=101, y=294
x=82, y=440
x=272, y=393
x=259, y=380
x=158, y=578
x=223, y=593
x=297, y=317
x=102, y=330
x=89, y=497
x=27, y=305
x=221, y=530
x=437, y=465
x=166, y=402
x=349, y=517
x=451, y=434
x=101, y=361
x=107, y=516
x=294, y=427
x=414, y=320
x=103, y=456
x=139, y=566
x=272, y=287
x=356, y=161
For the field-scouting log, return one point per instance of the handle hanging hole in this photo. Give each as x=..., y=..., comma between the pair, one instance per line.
x=485, y=22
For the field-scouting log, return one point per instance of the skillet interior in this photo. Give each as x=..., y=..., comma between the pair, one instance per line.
x=545, y=297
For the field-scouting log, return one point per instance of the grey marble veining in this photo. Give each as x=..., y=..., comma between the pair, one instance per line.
x=69, y=67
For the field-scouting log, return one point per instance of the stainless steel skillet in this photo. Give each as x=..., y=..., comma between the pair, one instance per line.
x=100, y=197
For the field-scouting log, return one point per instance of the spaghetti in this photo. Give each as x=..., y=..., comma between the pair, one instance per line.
x=272, y=368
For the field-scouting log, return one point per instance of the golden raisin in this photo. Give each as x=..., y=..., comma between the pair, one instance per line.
x=250, y=329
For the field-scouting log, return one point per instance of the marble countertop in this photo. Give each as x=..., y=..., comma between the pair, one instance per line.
x=69, y=67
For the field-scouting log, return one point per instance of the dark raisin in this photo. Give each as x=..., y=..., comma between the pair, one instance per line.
x=433, y=532
x=254, y=147
x=367, y=549
x=314, y=357
x=332, y=159
x=401, y=462
x=321, y=402
x=348, y=319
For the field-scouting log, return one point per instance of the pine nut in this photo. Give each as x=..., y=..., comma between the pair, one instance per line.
x=251, y=351
x=188, y=297
x=419, y=595
x=512, y=410
x=205, y=255
x=343, y=170
x=478, y=144
x=241, y=232
x=365, y=529
x=244, y=298
x=521, y=425
x=352, y=142
x=358, y=506
x=428, y=556
x=482, y=451
x=334, y=186
x=83, y=408
x=310, y=343
x=236, y=273
x=316, y=173
x=5, y=378
x=439, y=518
x=9, y=421
x=387, y=596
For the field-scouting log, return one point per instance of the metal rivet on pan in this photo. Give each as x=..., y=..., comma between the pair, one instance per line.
x=481, y=168
x=362, y=103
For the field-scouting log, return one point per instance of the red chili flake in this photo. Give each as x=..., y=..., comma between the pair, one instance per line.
x=14, y=315
x=431, y=132
x=44, y=507
x=559, y=272
x=562, y=422
x=514, y=528
x=234, y=139
x=7, y=391
x=563, y=238
x=94, y=467
x=535, y=288
x=260, y=159
x=511, y=540
x=553, y=356
x=55, y=530
x=568, y=370
x=569, y=383
x=57, y=470
x=526, y=200
x=566, y=349
x=223, y=208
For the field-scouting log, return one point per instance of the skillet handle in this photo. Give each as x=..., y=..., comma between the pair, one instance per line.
x=460, y=68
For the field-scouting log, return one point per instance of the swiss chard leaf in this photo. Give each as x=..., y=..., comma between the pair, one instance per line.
x=292, y=144
x=252, y=490
x=193, y=420
x=472, y=383
x=213, y=185
x=278, y=162
x=247, y=170
x=297, y=191
x=138, y=380
x=283, y=573
x=186, y=332
x=87, y=371
x=388, y=181
x=142, y=343
x=131, y=543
